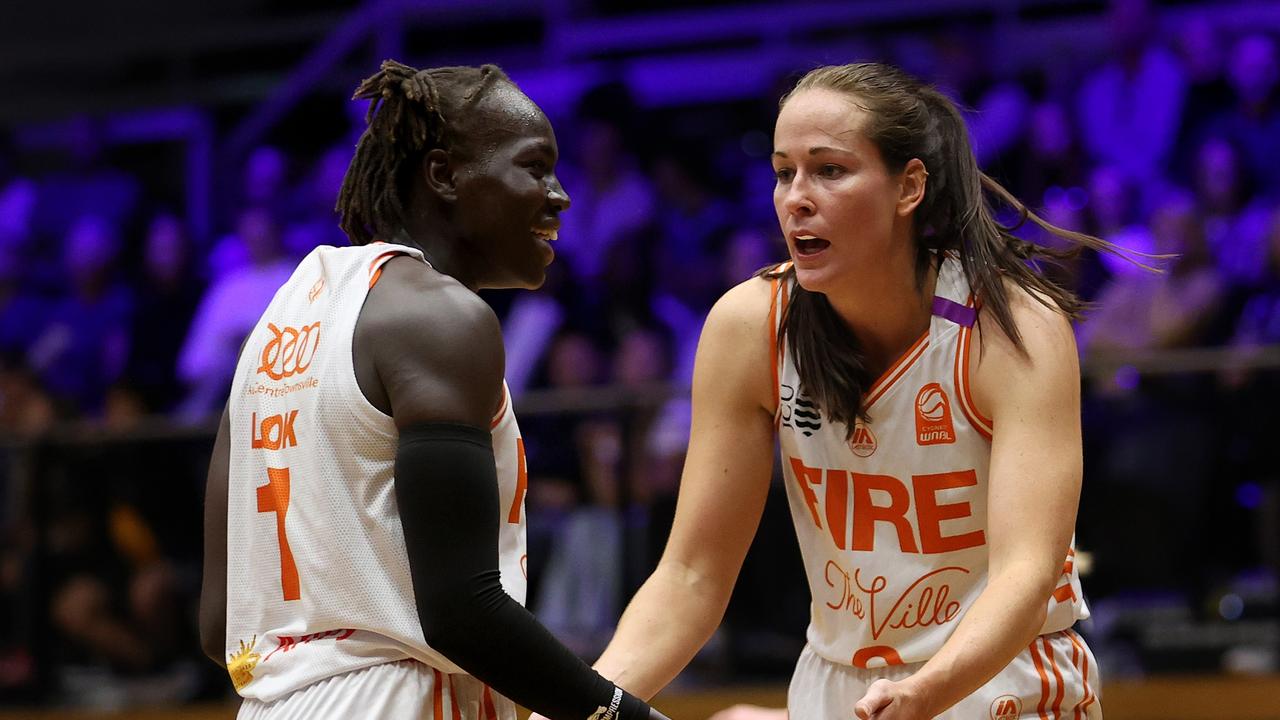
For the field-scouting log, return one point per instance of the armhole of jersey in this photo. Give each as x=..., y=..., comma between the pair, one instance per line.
x=375, y=273
x=375, y=267
x=773, y=346
x=779, y=295
x=982, y=424
x=502, y=408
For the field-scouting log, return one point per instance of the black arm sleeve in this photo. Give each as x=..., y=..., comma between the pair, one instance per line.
x=447, y=491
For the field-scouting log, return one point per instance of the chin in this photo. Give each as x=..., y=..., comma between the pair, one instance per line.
x=531, y=281
x=818, y=280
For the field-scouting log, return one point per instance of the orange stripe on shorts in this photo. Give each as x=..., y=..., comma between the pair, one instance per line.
x=437, y=696
x=1057, y=698
x=1044, y=680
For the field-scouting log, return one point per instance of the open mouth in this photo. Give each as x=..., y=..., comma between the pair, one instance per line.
x=810, y=245
x=546, y=235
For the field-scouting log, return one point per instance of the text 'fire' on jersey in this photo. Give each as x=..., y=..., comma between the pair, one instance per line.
x=317, y=575
x=892, y=521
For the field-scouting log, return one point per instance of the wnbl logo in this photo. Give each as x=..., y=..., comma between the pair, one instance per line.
x=798, y=411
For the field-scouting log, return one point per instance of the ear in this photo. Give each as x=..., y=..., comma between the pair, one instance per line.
x=439, y=171
x=914, y=179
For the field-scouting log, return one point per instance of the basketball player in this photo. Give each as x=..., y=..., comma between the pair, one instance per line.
x=922, y=380
x=365, y=525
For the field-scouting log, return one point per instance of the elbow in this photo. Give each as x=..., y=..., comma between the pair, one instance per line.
x=213, y=633
x=212, y=645
x=447, y=623
x=442, y=635
x=1026, y=593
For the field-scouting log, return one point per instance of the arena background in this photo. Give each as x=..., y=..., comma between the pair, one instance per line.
x=160, y=163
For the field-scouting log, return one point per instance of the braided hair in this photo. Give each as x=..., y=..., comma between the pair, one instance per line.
x=411, y=112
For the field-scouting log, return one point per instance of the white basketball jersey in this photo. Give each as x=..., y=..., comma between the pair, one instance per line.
x=892, y=522
x=317, y=575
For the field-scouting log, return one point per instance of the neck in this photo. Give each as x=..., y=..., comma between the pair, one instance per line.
x=441, y=249
x=886, y=308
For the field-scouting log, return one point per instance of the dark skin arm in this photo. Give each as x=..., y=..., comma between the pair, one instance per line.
x=436, y=350
x=213, y=591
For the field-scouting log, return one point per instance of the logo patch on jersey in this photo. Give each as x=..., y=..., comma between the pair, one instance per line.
x=289, y=351
x=863, y=442
x=799, y=411
x=933, y=416
x=241, y=664
x=1006, y=707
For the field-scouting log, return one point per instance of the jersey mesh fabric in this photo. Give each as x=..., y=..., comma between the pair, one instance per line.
x=312, y=457
x=891, y=521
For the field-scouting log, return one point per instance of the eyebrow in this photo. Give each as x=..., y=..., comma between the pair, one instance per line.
x=540, y=146
x=815, y=150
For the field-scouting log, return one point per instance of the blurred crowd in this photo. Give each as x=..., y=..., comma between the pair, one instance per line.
x=112, y=311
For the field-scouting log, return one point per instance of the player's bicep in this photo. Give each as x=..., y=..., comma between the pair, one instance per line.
x=1036, y=465
x=729, y=462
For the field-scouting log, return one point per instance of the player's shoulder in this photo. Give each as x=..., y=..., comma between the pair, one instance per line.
x=746, y=305
x=1041, y=324
x=414, y=303
x=735, y=353
x=420, y=322
x=436, y=346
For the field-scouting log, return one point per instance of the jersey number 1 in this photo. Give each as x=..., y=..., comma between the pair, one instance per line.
x=274, y=497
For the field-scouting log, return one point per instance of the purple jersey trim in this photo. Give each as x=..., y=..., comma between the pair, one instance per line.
x=954, y=311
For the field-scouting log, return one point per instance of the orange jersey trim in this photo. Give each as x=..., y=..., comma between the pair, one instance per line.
x=502, y=411
x=977, y=420
x=895, y=372
x=775, y=356
x=375, y=267
x=778, y=298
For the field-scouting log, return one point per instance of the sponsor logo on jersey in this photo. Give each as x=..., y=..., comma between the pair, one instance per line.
x=274, y=432
x=863, y=442
x=1006, y=707
x=315, y=290
x=289, y=642
x=933, y=416
x=290, y=350
x=241, y=664
x=799, y=411
x=853, y=504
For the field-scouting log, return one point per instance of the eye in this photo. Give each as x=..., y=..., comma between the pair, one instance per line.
x=539, y=168
x=784, y=174
x=830, y=171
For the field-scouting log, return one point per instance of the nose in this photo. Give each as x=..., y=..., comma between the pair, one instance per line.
x=795, y=198
x=557, y=195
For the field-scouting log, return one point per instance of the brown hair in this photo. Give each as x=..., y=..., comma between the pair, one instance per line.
x=411, y=112
x=908, y=119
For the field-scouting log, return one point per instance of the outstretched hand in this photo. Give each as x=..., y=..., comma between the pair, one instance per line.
x=888, y=700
